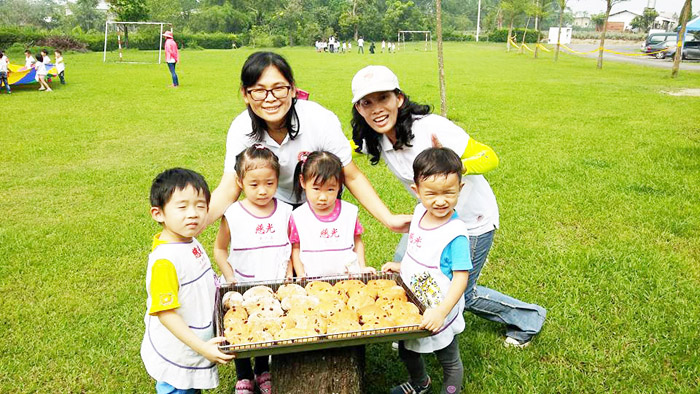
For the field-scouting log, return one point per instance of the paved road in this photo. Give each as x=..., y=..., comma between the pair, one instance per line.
x=650, y=61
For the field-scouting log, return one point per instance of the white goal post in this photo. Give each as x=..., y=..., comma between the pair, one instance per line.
x=428, y=39
x=160, y=45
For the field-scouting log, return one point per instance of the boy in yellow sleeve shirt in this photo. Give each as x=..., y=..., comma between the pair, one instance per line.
x=179, y=349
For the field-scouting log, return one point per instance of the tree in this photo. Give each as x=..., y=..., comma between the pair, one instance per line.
x=609, y=4
x=511, y=9
x=685, y=15
x=540, y=12
x=86, y=14
x=441, y=63
x=562, y=6
x=598, y=20
x=645, y=21
x=128, y=11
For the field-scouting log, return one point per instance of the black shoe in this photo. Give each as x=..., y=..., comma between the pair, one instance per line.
x=409, y=388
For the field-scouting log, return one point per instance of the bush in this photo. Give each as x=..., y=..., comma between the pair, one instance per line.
x=145, y=39
x=457, y=36
x=63, y=43
x=500, y=35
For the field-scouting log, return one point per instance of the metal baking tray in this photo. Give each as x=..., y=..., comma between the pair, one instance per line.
x=322, y=341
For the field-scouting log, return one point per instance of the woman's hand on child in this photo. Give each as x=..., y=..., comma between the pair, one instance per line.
x=399, y=223
x=433, y=319
x=391, y=266
x=212, y=353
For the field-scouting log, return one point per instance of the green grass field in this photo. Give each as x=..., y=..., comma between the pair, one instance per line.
x=598, y=187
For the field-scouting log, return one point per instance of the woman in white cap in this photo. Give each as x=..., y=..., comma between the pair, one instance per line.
x=386, y=124
x=172, y=56
x=289, y=127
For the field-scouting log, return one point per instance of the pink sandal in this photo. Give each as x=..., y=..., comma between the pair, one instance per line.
x=264, y=383
x=245, y=386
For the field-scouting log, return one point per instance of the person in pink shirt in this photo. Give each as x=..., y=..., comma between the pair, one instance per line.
x=172, y=56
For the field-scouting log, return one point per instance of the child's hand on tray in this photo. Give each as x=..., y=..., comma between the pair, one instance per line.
x=433, y=318
x=391, y=266
x=211, y=351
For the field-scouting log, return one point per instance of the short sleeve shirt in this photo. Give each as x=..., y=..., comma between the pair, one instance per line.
x=319, y=129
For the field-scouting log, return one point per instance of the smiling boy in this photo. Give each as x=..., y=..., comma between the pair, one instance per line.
x=435, y=267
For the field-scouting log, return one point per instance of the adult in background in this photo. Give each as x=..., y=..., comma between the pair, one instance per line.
x=288, y=127
x=172, y=56
x=361, y=45
x=387, y=124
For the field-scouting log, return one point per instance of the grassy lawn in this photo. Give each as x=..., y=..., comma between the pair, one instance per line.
x=598, y=186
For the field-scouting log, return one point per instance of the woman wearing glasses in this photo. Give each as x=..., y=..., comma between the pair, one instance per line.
x=287, y=126
x=386, y=124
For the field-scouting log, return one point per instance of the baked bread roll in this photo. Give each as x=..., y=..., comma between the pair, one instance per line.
x=407, y=319
x=300, y=302
x=288, y=290
x=257, y=292
x=371, y=312
x=260, y=323
x=378, y=323
x=315, y=287
x=346, y=314
x=231, y=298
x=393, y=293
x=265, y=306
x=316, y=323
x=236, y=332
x=260, y=336
x=332, y=295
x=337, y=326
x=235, y=314
x=295, y=333
x=381, y=283
x=368, y=291
x=349, y=284
x=360, y=301
x=328, y=307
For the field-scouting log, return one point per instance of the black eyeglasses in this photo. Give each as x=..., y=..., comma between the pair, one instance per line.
x=278, y=92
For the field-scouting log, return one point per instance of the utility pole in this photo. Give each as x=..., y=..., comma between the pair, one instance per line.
x=478, y=21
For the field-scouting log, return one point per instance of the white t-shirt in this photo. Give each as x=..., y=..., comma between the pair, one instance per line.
x=361, y=42
x=60, y=66
x=477, y=205
x=319, y=129
x=29, y=61
x=3, y=64
x=40, y=68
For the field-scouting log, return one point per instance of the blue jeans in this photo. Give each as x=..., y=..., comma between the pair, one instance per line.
x=171, y=66
x=522, y=320
x=3, y=81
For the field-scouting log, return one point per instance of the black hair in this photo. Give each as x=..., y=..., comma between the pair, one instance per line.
x=39, y=57
x=58, y=51
x=436, y=161
x=252, y=69
x=45, y=51
x=320, y=166
x=27, y=51
x=165, y=184
x=245, y=160
x=363, y=133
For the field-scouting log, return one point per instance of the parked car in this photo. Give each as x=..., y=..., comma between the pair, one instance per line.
x=691, y=50
x=658, y=38
x=660, y=50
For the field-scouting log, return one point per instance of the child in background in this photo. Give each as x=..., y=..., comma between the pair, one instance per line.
x=435, y=267
x=260, y=249
x=4, y=70
x=41, y=72
x=60, y=66
x=28, y=60
x=45, y=56
x=179, y=349
x=325, y=231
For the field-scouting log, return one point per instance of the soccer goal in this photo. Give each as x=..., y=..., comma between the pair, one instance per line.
x=148, y=37
x=423, y=34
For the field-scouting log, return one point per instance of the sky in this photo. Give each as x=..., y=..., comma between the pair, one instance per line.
x=637, y=6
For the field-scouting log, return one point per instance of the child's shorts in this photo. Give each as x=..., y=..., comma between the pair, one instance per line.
x=165, y=388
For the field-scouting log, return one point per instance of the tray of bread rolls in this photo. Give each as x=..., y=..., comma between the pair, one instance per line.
x=276, y=317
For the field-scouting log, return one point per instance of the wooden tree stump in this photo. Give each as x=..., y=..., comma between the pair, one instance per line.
x=332, y=371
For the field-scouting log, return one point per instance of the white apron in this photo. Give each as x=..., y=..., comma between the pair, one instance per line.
x=260, y=248
x=327, y=248
x=166, y=358
x=420, y=270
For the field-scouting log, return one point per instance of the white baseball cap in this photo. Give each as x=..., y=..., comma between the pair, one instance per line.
x=373, y=79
